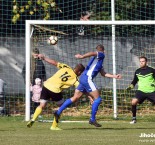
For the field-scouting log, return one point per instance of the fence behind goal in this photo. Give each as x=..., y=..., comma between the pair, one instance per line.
x=130, y=42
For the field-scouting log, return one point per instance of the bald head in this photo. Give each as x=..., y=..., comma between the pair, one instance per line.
x=79, y=68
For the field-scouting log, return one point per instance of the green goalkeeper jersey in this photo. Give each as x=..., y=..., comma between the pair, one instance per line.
x=145, y=77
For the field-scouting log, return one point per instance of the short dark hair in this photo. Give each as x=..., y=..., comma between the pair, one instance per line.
x=36, y=50
x=143, y=57
x=85, y=13
x=100, y=47
x=80, y=67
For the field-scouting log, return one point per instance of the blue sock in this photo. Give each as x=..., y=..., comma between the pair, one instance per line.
x=64, y=106
x=95, y=108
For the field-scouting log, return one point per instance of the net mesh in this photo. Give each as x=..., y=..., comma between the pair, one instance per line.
x=129, y=46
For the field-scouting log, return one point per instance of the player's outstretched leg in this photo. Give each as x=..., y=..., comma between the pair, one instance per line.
x=57, y=114
x=30, y=123
x=63, y=107
x=36, y=114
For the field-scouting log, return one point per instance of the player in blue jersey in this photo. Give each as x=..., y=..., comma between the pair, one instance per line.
x=87, y=85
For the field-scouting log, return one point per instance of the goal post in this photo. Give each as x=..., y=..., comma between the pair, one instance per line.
x=63, y=25
x=27, y=76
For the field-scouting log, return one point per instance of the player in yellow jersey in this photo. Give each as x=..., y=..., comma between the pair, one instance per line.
x=64, y=78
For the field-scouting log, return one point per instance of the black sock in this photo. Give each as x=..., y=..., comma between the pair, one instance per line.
x=134, y=111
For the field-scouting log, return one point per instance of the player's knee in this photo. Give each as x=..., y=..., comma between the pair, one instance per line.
x=77, y=96
x=42, y=104
x=134, y=102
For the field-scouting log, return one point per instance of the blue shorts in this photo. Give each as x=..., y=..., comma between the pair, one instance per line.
x=86, y=84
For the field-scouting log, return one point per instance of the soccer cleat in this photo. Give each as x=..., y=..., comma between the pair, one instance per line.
x=55, y=128
x=30, y=123
x=133, y=121
x=56, y=116
x=94, y=123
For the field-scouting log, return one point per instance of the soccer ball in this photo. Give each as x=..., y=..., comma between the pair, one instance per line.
x=52, y=40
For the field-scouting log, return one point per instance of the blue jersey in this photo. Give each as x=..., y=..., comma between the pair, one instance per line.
x=95, y=65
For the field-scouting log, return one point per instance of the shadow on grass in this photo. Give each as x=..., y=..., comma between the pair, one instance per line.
x=6, y=130
x=108, y=128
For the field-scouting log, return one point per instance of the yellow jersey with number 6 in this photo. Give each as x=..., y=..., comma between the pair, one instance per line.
x=64, y=78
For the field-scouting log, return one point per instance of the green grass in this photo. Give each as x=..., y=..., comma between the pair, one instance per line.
x=13, y=131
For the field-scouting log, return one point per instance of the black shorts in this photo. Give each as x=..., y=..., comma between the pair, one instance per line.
x=141, y=96
x=49, y=95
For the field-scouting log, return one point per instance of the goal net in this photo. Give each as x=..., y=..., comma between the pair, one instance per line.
x=124, y=42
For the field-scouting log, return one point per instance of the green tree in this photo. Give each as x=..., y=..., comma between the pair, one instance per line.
x=125, y=10
x=32, y=7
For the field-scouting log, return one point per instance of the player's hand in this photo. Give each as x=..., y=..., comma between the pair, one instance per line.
x=41, y=56
x=34, y=55
x=91, y=100
x=130, y=87
x=78, y=56
x=118, y=76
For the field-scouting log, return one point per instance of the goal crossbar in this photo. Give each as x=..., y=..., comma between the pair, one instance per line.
x=60, y=22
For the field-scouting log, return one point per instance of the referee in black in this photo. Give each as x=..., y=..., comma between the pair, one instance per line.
x=145, y=77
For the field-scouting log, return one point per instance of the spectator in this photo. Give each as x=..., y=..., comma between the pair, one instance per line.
x=85, y=16
x=36, y=92
x=2, y=98
x=37, y=68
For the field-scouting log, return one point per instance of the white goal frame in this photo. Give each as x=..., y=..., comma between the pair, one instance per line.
x=28, y=33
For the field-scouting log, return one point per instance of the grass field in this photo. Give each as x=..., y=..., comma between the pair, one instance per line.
x=13, y=131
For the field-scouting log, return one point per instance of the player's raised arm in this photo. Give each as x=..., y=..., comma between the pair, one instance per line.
x=89, y=54
x=108, y=75
x=50, y=61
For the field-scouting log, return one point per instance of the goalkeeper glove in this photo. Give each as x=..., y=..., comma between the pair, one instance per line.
x=130, y=87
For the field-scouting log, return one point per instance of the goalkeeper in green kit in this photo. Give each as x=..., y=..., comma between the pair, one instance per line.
x=145, y=77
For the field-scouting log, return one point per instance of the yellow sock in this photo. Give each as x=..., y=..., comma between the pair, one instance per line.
x=54, y=124
x=37, y=113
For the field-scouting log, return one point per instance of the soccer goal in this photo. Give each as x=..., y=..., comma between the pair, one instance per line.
x=124, y=42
